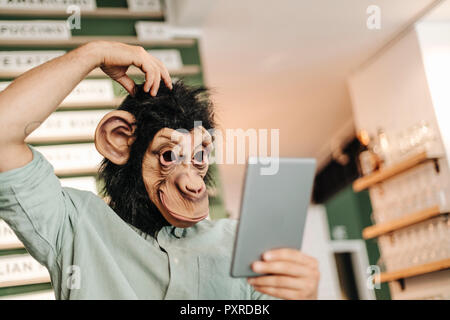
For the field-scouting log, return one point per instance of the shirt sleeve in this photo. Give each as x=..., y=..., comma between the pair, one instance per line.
x=256, y=295
x=36, y=208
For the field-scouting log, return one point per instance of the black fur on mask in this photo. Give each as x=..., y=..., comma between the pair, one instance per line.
x=124, y=184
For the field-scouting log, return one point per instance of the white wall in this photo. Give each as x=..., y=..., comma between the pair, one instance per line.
x=316, y=243
x=391, y=91
x=434, y=40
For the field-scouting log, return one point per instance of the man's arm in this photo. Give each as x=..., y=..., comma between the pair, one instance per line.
x=31, y=98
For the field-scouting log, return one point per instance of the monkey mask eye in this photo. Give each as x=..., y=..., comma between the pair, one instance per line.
x=168, y=158
x=200, y=158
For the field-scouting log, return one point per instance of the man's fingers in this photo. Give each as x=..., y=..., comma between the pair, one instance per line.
x=154, y=71
x=282, y=293
x=281, y=268
x=149, y=71
x=166, y=77
x=156, y=82
x=277, y=282
x=144, y=62
x=287, y=254
x=127, y=83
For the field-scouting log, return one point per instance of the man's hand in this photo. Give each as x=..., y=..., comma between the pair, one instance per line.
x=33, y=96
x=291, y=275
x=116, y=57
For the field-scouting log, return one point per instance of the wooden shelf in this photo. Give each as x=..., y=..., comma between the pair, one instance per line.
x=415, y=271
x=18, y=245
x=132, y=71
x=92, y=104
x=386, y=173
x=79, y=40
x=51, y=140
x=118, y=13
x=410, y=219
x=24, y=282
x=77, y=172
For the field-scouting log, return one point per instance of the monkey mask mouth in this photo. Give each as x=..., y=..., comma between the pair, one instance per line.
x=191, y=207
x=174, y=169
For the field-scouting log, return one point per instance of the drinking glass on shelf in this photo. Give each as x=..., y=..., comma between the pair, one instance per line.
x=381, y=264
x=413, y=180
x=403, y=250
x=423, y=245
x=415, y=204
x=414, y=243
x=387, y=251
x=411, y=136
x=394, y=209
x=429, y=136
x=443, y=236
x=384, y=147
x=411, y=247
x=432, y=244
x=429, y=198
x=396, y=251
x=406, y=206
x=379, y=216
x=403, y=145
x=374, y=218
x=436, y=195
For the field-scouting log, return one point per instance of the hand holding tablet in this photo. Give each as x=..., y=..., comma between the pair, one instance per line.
x=270, y=231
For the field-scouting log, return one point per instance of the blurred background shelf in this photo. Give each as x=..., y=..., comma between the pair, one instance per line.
x=92, y=104
x=415, y=271
x=9, y=246
x=79, y=40
x=389, y=172
x=396, y=224
x=52, y=140
x=15, y=283
x=118, y=13
x=132, y=71
x=76, y=172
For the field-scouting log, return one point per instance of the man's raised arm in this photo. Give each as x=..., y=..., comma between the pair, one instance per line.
x=33, y=96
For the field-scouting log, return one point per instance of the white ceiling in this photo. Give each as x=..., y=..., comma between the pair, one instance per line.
x=284, y=64
x=439, y=14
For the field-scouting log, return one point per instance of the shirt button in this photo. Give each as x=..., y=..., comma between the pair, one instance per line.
x=179, y=232
x=175, y=260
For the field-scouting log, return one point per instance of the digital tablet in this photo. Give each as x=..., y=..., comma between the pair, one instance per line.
x=273, y=210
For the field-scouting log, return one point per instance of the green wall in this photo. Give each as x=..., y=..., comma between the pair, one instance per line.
x=352, y=210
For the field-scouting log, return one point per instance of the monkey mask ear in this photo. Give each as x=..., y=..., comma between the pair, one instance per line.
x=114, y=136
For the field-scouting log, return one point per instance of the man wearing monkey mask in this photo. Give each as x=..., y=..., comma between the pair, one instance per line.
x=152, y=240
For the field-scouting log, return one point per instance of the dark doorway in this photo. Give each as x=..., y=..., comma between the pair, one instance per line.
x=346, y=273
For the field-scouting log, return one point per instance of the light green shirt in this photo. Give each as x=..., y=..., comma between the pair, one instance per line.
x=91, y=253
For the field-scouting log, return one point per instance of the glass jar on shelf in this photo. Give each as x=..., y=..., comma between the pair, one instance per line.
x=369, y=160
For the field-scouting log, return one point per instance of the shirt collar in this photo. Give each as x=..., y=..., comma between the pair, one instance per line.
x=177, y=232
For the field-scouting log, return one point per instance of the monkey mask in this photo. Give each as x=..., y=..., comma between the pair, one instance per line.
x=143, y=147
